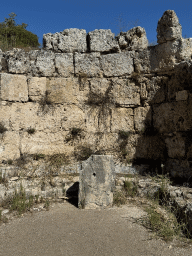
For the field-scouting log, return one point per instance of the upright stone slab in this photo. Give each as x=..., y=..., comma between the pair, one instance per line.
x=96, y=182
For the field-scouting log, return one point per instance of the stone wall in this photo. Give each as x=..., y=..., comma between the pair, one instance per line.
x=87, y=93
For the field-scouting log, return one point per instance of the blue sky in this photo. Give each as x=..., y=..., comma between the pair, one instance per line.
x=54, y=16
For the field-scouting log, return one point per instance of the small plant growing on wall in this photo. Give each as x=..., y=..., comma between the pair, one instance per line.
x=31, y=130
x=45, y=102
x=2, y=128
x=73, y=133
x=83, y=152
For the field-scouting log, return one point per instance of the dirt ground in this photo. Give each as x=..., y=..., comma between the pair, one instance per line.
x=69, y=231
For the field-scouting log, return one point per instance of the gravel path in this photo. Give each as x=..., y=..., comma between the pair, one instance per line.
x=69, y=231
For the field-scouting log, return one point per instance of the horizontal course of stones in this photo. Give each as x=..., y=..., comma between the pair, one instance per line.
x=102, y=85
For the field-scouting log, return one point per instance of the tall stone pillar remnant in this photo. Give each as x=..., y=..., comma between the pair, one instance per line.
x=97, y=182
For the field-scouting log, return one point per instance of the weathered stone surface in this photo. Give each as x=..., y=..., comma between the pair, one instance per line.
x=117, y=64
x=178, y=168
x=64, y=64
x=45, y=143
x=96, y=182
x=181, y=95
x=125, y=92
x=150, y=147
x=62, y=90
x=99, y=87
x=87, y=64
x=37, y=88
x=142, y=115
x=14, y=87
x=98, y=118
x=72, y=117
x=122, y=120
x=70, y=40
x=18, y=62
x=168, y=27
x=9, y=145
x=102, y=40
x=44, y=64
x=173, y=116
x=134, y=39
x=175, y=146
x=142, y=61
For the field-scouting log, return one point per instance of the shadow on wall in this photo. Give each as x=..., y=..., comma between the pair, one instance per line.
x=164, y=139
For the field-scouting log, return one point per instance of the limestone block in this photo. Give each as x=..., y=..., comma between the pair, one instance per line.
x=98, y=118
x=99, y=87
x=150, y=147
x=64, y=64
x=72, y=117
x=142, y=116
x=153, y=90
x=96, y=182
x=181, y=95
x=168, y=27
x=37, y=88
x=44, y=65
x=14, y=87
x=87, y=64
x=175, y=146
x=70, y=40
x=171, y=117
x=142, y=61
x=125, y=92
x=18, y=62
x=102, y=40
x=45, y=143
x=178, y=168
x=9, y=145
x=122, y=120
x=106, y=142
x=62, y=90
x=135, y=39
x=117, y=64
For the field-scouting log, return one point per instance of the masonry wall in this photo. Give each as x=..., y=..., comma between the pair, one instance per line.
x=92, y=92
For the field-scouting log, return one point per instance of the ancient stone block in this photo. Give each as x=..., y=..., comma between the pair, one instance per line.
x=102, y=40
x=14, y=87
x=142, y=117
x=44, y=65
x=18, y=62
x=168, y=27
x=64, y=64
x=70, y=40
x=87, y=64
x=37, y=88
x=117, y=64
x=149, y=147
x=125, y=92
x=134, y=39
x=72, y=117
x=99, y=88
x=9, y=145
x=181, y=95
x=178, y=168
x=171, y=117
x=122, y=120
x=175, y=146
x=96, y=182
x=45, y=143
x=142, y=61
x=62, y=90
x=98, y=118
